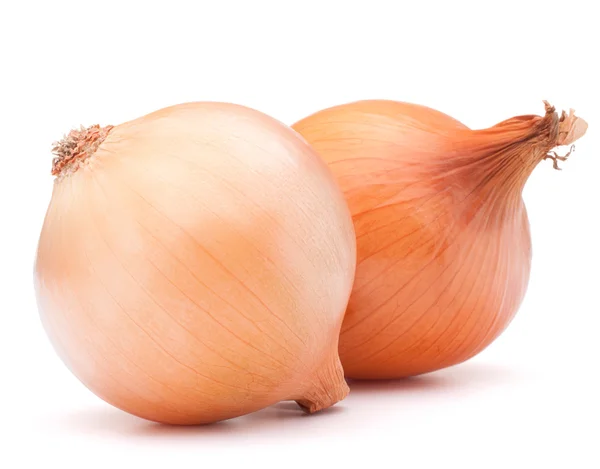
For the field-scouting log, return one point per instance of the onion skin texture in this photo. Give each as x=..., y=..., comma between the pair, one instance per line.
x=444, y=248
x=196, y=267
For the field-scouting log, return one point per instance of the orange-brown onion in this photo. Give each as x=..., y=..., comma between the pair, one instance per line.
x=442, y=233
x=195, y=265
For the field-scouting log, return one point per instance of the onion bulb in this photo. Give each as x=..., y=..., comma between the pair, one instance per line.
x=195, y=264
x=443, y=238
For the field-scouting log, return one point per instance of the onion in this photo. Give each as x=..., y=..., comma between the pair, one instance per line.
x=195, y=265
x=443, y=240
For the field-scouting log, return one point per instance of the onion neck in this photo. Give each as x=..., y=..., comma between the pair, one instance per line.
x=501, y=158
x=326, y=387
x=76, y=147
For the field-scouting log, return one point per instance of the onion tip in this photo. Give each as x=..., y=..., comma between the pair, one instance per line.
x=570, y=129
x=77, y=146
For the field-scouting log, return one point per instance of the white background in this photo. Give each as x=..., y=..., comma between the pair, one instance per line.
x=528, y=401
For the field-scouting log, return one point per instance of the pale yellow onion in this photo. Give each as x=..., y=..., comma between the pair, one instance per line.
x=195, y=264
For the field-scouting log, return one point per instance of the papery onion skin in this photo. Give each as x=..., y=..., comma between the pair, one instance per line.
x=444, y=249
x=195, y=265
